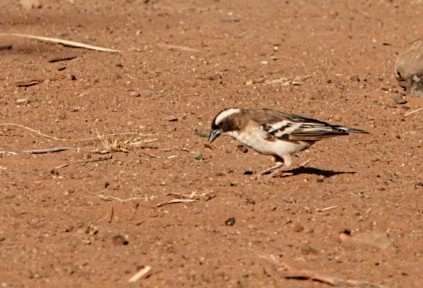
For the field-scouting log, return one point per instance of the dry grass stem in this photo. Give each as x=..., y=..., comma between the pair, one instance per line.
x=303, y=274
x=8, y=153
x=123, y=146
x=141, y=273
x=108, y=157
x=177, y=47
x=305, y=163
x=69, y=140
x=412, y=112
x=175, y=201
x=113, y=198
x=325, y=209
x=62, y=42
x=285, y=81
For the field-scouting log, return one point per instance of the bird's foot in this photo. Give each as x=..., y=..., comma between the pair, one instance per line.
x=271, y=170
x=281, y=174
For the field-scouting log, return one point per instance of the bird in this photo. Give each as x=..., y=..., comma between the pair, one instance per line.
x=275, y=133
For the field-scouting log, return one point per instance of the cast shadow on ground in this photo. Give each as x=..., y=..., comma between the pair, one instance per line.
x=317, y=171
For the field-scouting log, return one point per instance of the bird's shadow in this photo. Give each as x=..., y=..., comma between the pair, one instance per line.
x=316, y=171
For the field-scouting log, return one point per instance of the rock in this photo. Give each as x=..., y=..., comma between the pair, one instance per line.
x=306, y=249
x=119, y=240
x=399, y=100
x=198, y=155
x=230, y=221
x=298, y=228
x=242, y=148
x=134, y=94
x=355, y=78
x=29, y=4
x=409, y=68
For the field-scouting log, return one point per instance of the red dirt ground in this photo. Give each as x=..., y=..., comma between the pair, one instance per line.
x=181, y=63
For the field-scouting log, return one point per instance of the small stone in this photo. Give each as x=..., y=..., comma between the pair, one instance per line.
x=306, y=249
x=30, y=4
x=6, y=47
x=298, y=228
x=54, y=172
x=119, y=240
x=250, y=201
x=355, y=78
x=248, y=172
x=198, y=155
x=134, y=94
x=399, y=100
x=91, y=230
x=249, y=82
x=22, y=101
x=230, y=221
x=242, y=148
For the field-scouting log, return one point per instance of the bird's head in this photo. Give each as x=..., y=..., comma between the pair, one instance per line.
x=225, y=121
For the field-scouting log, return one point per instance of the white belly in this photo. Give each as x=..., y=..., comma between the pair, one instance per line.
x=256, y=140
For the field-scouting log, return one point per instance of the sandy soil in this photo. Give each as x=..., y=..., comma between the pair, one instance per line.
x=78, y=218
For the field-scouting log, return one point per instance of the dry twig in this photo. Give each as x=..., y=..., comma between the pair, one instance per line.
x=49, y=150
x=86, y=161
x=303, y=274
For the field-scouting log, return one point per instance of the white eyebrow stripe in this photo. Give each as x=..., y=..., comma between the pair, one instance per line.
x=226, y=113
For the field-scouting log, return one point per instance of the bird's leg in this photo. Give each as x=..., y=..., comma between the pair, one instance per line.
x=285, y=160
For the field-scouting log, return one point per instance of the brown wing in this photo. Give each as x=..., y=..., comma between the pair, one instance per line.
x=296, y=127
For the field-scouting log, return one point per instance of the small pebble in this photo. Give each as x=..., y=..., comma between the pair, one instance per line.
x=355, y=78
x=230, y=221
x=242, y=148
x=134, y=94
x=298, y=228
x=198, y=155
x=306, y=249
x=119, y=240
x=250, y=201
x=22, y=101
x=399, y=100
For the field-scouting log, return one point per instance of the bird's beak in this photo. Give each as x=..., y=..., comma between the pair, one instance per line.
x=214, y=134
